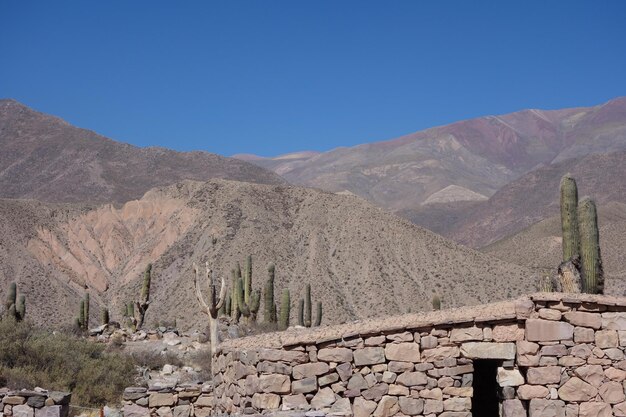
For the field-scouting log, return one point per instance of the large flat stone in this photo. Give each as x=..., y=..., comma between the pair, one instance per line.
x=513, y=408
x=488, y=350
x=404, y=352
x=335, y=355
x=369, y=356
x=279, y=355
x=276, y=383
x=538, y=330
x=580, y=318
x=308, y=370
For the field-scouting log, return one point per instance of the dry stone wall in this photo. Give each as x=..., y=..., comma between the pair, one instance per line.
x=551, y=355
x=39, y=403
x=168, y=401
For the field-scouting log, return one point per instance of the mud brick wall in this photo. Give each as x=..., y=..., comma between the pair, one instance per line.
x=551, y=355
x=171, y=401
x=38, y=403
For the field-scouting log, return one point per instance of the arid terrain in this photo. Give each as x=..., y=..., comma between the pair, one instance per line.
x=361, y=261
x=85, y=213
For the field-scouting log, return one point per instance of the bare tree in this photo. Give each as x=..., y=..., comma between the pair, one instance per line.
x=215, y=303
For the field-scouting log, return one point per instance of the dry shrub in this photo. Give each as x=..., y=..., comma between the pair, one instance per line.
x=31, y=357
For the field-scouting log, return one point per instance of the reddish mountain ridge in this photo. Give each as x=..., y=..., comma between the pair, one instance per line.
x=45, y=158
x=477, y=156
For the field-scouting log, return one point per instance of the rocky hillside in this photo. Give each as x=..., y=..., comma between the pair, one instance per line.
x=47, y=159
x=525, y=201
x=465, y=161
x=361, y=261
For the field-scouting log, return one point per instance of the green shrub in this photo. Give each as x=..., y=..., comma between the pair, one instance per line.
x=31, y=357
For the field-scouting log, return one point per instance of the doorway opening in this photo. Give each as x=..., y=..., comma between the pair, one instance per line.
x=486, y=402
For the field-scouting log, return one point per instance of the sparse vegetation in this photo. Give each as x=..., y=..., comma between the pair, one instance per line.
x=31, y=357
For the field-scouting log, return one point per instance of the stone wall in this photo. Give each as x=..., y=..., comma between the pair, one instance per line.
x=552, y=355
x=39, y=403
x=168, y=401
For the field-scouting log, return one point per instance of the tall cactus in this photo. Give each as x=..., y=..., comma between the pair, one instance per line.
x=235, y=313
x=569, y=217
x=141, y=306
x=593, y=279
x=21, y=308
x=15, y=306
x=301, y=312
x=285, y=309
x=86, y=315
x=248, y=301
x=80, y=320
x=104, y=316
x=268, y=297
x=318, y=316
x=214, y=304
x=307, y=306
x=11, y=296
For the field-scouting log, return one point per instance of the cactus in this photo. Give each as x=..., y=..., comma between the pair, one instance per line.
x=248, y=302
x=141, y=306
x=11, y=296
x=15, y=306
x=235, y=313
x=285, y=309
x=104, y=316
x=214, y=304
x=436, y=301
x=318, y=316
x=247, y=281
x=301, y=312
x=86, y=307
x=569, y=217
x=80, y=320
x=592, y=274
x=307, y=306
x=227, y=305
x=268, y=297
x=21, y=308
x=130, y=310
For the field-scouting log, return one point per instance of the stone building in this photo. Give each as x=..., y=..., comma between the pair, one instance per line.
x=547, y=354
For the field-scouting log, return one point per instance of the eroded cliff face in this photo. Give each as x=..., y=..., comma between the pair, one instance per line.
x=111, y=244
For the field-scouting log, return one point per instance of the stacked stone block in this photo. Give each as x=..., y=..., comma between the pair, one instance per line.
x=557, y=355
x=168, y=401
x=39, y=403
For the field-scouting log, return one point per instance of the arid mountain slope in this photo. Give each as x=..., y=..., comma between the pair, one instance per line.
x=47, y=159
x=360, y=260
x=478, y=156
x=525, y=201
x=539, y=246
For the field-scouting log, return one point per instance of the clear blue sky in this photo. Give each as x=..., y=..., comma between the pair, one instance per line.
x=270, y=77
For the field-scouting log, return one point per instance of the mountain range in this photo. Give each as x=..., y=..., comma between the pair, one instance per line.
x=80, y=212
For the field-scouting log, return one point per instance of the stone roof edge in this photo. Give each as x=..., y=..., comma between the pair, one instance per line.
x=508, y=310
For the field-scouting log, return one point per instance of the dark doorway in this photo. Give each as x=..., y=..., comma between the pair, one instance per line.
x=485, y=402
